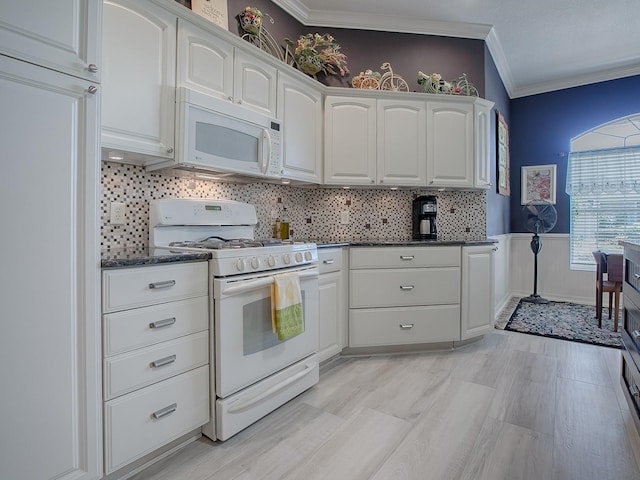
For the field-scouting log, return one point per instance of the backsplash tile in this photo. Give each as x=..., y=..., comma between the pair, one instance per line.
x=314, y=213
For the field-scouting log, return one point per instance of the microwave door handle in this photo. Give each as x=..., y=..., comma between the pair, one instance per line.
x=266, y=150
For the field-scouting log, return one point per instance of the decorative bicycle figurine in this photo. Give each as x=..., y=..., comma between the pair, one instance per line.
x=392, y=82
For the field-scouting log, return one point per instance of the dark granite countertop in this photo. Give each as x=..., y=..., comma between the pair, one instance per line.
x=394, y=242
x=135, y=257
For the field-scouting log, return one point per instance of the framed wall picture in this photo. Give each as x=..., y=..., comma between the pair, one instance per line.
x=502, y=155
x=539, y=183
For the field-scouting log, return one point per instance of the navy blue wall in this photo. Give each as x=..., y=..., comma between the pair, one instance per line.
x=497, y=205
x=542, y=126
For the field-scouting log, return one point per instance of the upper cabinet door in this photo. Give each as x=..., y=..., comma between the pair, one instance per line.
x=402, y=143
x=300, y=109
x=62, y=36
x=350, y=141
x=139, y=78
x=450, y=146
x=205, y=63
x=482, y=134
x=255, y=83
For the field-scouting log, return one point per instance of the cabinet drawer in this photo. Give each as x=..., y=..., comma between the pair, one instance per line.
x=404, y=287
x=406, y=325
x=142, y=421
x=404, y=257
x=630, y=379
x=138, y=287
x=130, y=371
x=329, y=260
x=140, y=327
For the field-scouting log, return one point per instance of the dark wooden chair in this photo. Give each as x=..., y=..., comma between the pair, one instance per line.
x=608, y=279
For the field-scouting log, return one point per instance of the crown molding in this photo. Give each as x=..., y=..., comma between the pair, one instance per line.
x=386, y=23
x=500, y=61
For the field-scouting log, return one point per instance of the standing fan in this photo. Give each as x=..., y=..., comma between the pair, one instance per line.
x=539, y=217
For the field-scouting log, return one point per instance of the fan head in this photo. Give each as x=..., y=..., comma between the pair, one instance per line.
x=539, y=216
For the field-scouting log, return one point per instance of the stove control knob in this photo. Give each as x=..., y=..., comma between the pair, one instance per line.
x=308, y=256
x=286, y=258
x=298, y=257
x=240, y=264
x=271, y=261
x=255, y=263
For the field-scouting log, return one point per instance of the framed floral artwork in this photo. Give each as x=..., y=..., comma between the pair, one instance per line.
x=502, y=155
x=539, y=184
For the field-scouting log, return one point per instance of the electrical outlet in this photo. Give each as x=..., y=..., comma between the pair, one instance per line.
x=345, y=218
x=117, y=213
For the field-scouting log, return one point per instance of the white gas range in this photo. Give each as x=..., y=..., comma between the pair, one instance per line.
x=253, y=372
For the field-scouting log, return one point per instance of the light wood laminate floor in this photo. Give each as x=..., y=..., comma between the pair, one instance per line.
x=511, y=406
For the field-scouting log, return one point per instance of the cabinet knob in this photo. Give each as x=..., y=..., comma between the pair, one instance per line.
x=92, y=90
x=636, y=335
x=92, y=68
x=634, y=391
x=169, y=149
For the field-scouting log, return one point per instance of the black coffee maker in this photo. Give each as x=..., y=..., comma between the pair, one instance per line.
x=425, y=209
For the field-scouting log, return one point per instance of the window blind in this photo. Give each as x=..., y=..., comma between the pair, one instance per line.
x=604, y=186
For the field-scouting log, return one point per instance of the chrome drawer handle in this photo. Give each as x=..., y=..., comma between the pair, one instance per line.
x=407, y=326
x=407, y=287
x=163, y=323
x=634, y=391
x=163, y=361
x=407, y=257
x=328, y=262
x=165, y=411
x=636, y=334
x=165, y=284
x=637, y=275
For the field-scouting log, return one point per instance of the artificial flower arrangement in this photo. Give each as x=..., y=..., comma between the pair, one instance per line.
x=435, y=84
x=250, y=20
x=314, y=53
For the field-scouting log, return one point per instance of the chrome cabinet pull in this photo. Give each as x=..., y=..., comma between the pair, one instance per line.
x=634, y=391
x=92, y=90
x=165, y=284
x=169, y=149
x=407, y=326
x=636, y=334
x=407, y=287
x=406, y=257
x=163, y=361
x=165, y=411
x=636, y=275
x=93, y=68
x=328, y=262
x=163, y=323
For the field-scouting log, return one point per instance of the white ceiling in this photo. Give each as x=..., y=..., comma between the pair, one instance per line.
x=538, y=46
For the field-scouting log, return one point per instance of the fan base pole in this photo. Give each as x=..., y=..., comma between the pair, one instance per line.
x=535, y=299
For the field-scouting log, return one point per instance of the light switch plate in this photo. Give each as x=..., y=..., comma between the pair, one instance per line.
x=117, y=212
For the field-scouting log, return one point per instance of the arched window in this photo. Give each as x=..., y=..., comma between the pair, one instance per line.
x=603, y=181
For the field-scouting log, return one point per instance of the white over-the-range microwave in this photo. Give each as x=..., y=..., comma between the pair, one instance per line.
x=221, y=137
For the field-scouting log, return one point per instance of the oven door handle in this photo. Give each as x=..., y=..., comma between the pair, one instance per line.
x=308, y=368
x=248, y=285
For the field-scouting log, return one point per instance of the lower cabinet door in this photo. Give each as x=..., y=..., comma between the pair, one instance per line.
x=403, y=325
x=142, y=421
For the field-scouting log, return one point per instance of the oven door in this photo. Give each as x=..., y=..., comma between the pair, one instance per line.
x=247, y=350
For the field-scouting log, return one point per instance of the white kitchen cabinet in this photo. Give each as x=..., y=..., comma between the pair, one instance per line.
x=157, y=353
x=139, y=79
x=402, y=144
x=300, y=109
x=332, y=285
x=255, y=83
x=482, y=137
x=371, y=141
x=403, y=295
x=62, y=36
x=208, y=63
x=51, y=420
x=205, y=63
x=450, y=144
x=478, y=278
x=349, y=141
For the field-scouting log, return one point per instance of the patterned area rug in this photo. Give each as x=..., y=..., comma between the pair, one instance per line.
x=567, y=321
